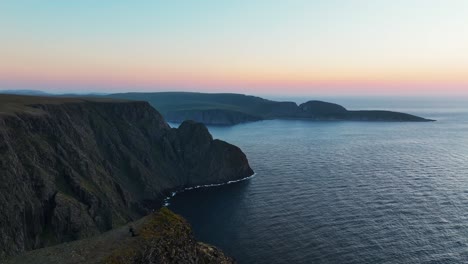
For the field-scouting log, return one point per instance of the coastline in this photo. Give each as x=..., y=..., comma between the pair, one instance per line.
x=166, y=201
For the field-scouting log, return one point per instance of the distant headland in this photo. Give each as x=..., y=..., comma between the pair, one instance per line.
x=231, y=109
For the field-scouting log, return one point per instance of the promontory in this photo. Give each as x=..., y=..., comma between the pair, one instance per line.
x=74, y=168
x=231, y=109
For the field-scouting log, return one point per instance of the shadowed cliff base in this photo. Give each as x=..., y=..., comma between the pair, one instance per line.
x=162, y=237
x=231, y=109
x=73, y=168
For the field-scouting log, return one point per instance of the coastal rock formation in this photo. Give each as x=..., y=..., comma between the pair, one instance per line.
x=161, y=237
x=166, y=238
x=71, y=168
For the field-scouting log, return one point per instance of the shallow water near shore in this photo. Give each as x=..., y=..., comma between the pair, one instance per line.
x=343, y=192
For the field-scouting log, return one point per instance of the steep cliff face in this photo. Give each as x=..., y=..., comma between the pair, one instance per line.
x=72, y=169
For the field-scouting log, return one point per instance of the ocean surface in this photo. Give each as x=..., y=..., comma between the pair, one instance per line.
x=344, y=192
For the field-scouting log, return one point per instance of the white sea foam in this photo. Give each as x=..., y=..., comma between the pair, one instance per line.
x=168, y=198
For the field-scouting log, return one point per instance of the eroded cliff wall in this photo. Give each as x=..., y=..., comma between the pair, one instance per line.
x=75, y=169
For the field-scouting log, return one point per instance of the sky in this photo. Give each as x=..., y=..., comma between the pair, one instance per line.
x=327, y=47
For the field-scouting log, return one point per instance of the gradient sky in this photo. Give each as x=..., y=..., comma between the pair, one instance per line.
x=395, y=47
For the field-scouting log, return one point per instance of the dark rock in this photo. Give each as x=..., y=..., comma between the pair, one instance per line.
x=74, y=169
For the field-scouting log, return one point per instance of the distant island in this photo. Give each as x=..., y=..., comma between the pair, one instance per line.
x=25, y=92
x=231, y=109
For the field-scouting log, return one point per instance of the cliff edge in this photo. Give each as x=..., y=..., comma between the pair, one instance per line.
x=72, y=168
x=161, y=237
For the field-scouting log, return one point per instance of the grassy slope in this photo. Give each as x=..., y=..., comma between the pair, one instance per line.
x=164, y=233
x=10, y=104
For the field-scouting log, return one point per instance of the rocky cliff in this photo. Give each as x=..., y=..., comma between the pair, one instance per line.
x=73, y=168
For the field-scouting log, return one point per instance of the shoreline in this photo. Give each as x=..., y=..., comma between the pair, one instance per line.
x=166, y=201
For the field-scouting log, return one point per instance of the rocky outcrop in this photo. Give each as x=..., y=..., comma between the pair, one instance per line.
x=161, y=237
x=75, y=168
x=166, y=238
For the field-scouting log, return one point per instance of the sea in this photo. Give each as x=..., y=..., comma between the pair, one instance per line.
x=343, y=192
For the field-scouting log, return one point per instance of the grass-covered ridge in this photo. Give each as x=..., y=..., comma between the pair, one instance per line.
x=162, y=237
x=10, y=103
x=166, y=238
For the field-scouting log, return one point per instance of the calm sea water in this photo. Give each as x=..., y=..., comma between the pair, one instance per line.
x=343, y=192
